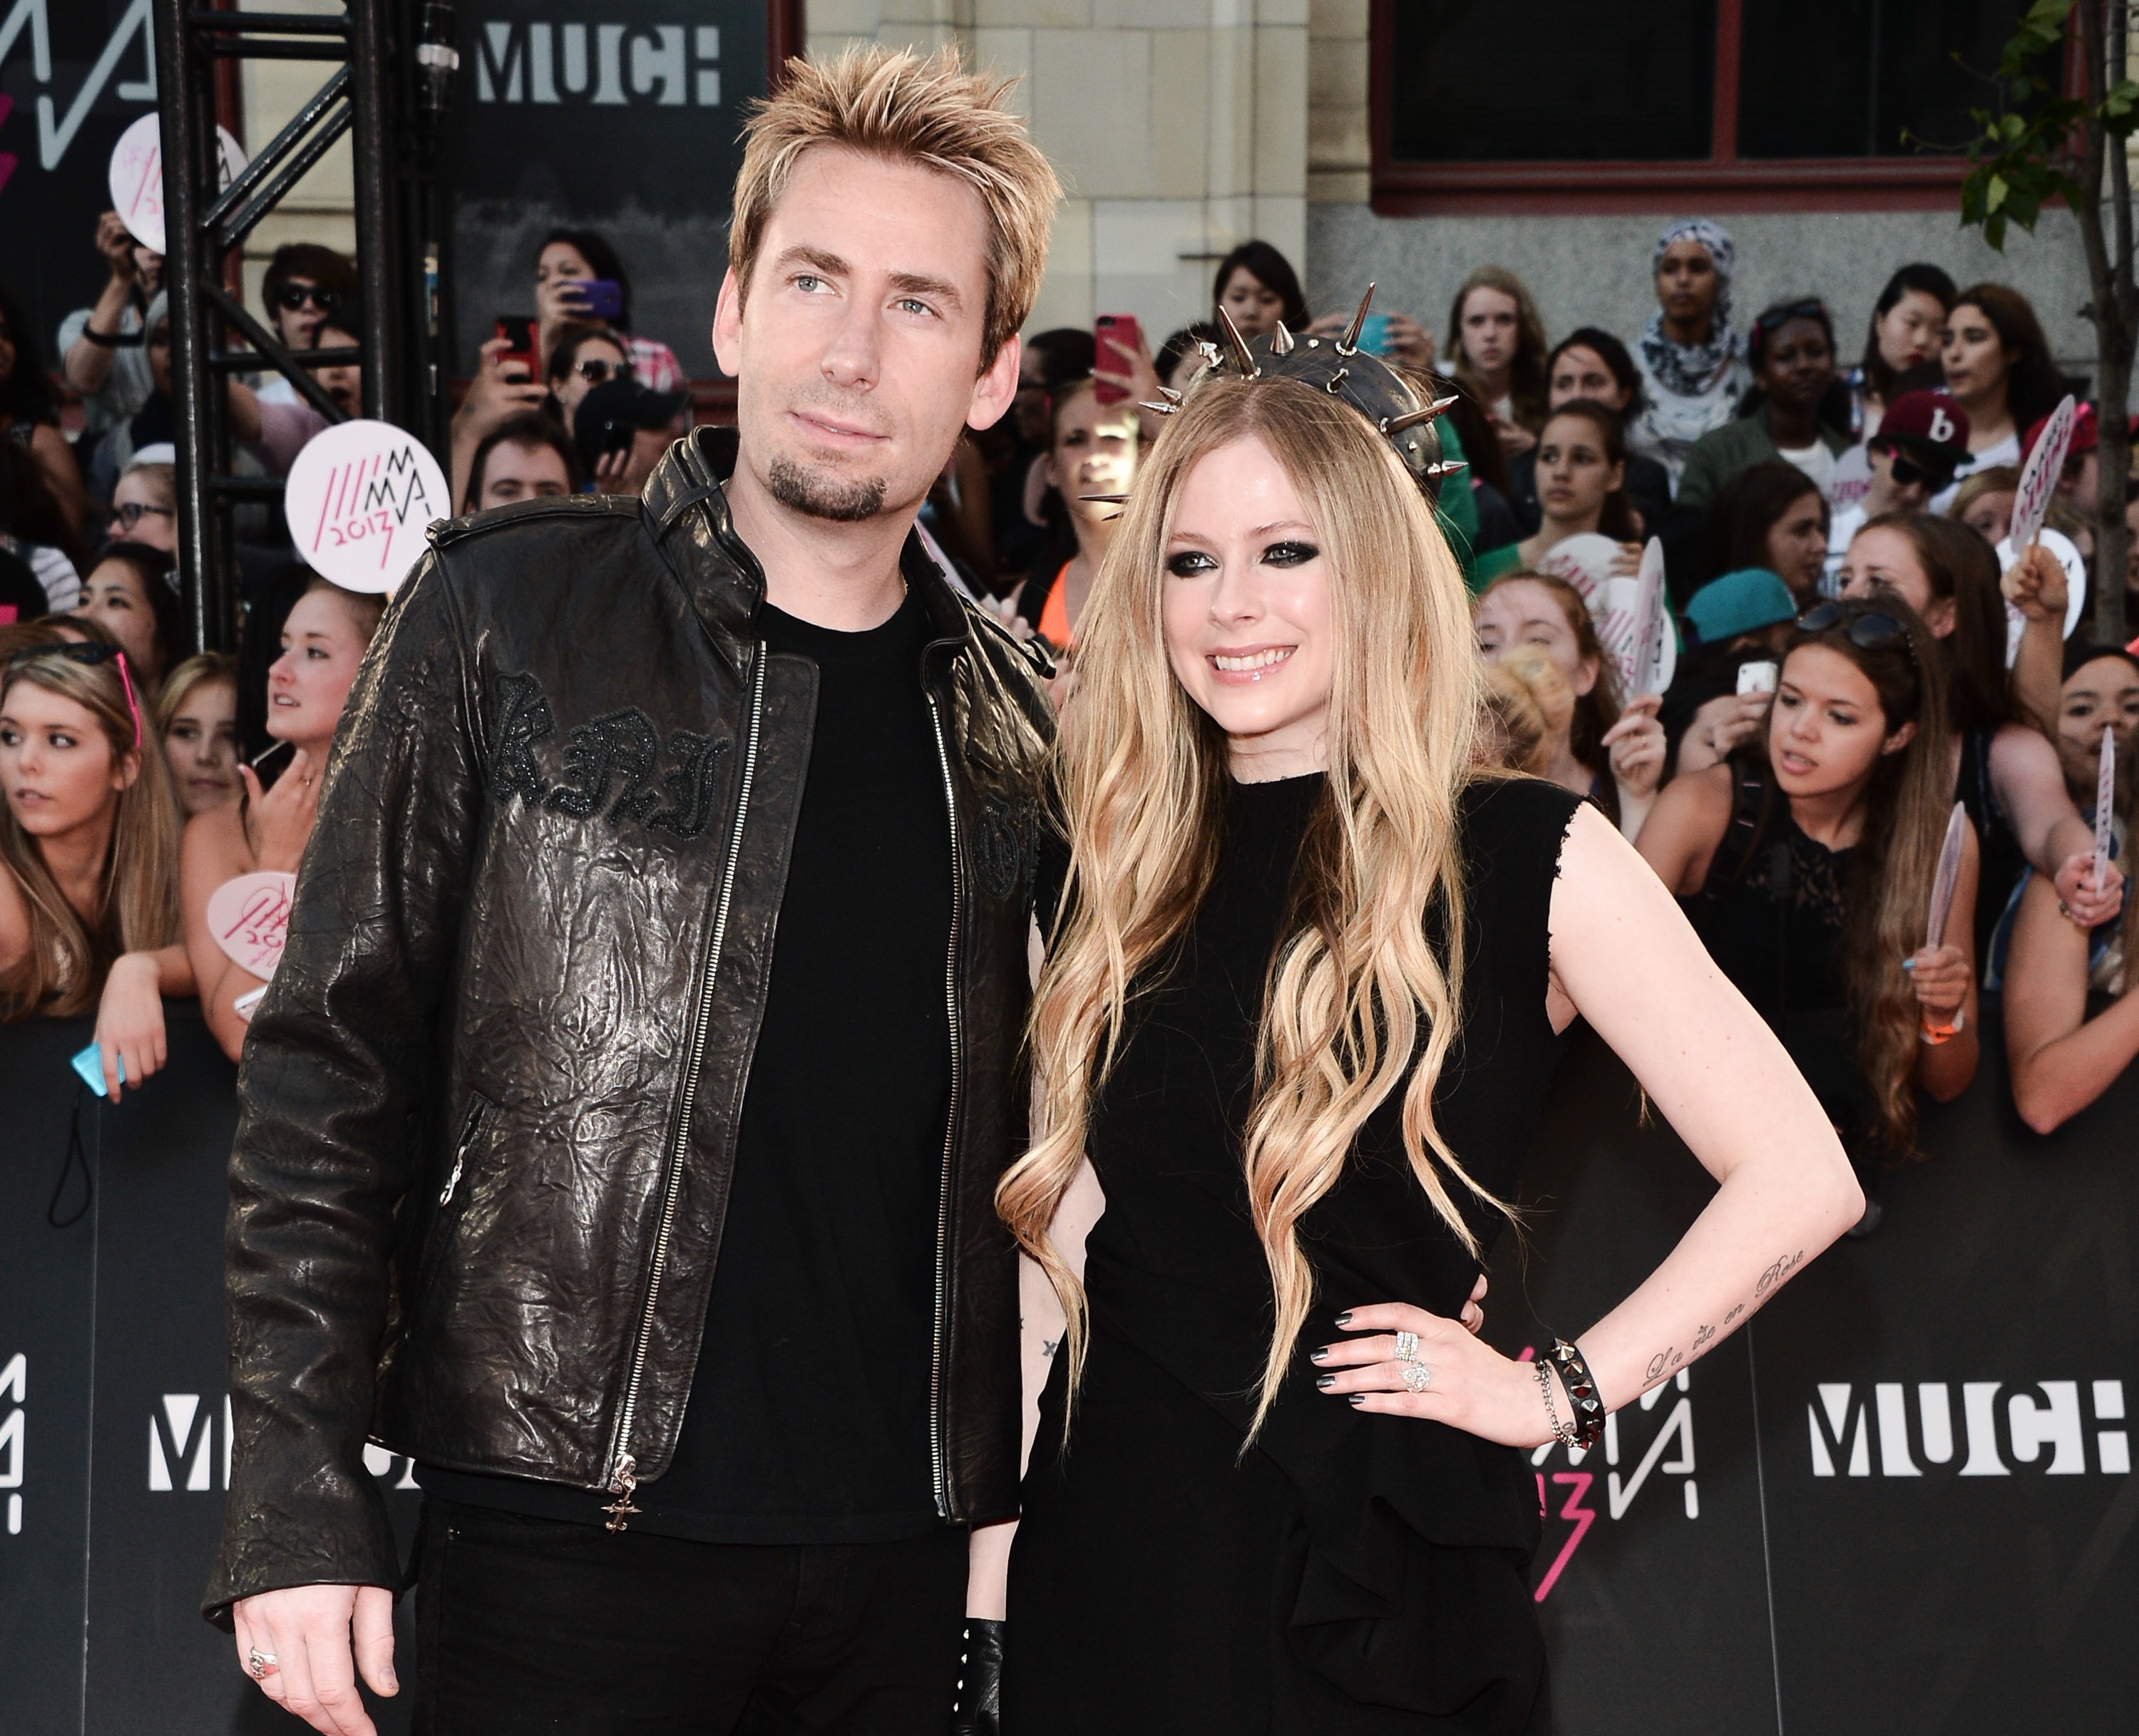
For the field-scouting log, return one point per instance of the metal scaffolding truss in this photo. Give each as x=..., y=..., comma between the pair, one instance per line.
x=370, y=93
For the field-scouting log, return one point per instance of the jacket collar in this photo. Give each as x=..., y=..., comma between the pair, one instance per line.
x=685, y=509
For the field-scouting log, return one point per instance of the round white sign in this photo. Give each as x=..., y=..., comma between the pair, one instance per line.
x=359, y=500
x=137, y=177
x=2075, y=582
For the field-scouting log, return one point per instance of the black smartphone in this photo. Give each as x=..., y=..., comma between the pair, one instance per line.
x=270, y=758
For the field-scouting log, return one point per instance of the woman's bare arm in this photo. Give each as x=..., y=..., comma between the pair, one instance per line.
x=1041, y=1326
x=2061, y=1060
x=1628, y=963
x=1691, y=815
x=2030, y=786
x=1626, y=959
x=214, y=850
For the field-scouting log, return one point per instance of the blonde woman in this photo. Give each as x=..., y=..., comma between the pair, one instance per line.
x=1305, y=990
x=88, y=840
x=196, y=719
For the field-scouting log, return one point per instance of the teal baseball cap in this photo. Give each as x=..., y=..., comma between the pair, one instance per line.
x=1740, y=602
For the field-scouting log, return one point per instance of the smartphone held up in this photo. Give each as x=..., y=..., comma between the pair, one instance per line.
x=1116, y=338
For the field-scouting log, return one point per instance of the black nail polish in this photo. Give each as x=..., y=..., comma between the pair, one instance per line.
x=1318, y=1353
x=1325, y=1381
x=1345, y=1318
x=1357, y=1398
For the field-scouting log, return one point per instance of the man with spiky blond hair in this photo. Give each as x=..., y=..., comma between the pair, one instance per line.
x=619, y=1137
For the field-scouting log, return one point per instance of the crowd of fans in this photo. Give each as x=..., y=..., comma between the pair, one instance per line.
x=1858, y=650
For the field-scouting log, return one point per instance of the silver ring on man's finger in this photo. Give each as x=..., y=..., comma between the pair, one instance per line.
x=1406, y=1347
x=259, y=1662
x=1416, y=1377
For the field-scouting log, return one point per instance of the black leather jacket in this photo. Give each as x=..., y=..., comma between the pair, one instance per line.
x=489, y=1104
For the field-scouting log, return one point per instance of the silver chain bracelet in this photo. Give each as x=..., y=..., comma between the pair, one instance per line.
x=1562, y=1432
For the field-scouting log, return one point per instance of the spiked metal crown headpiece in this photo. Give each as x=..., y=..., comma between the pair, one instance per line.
x=1340, y=367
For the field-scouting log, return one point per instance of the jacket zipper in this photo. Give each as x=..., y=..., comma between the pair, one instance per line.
x=936, y=1457
x=471, y=1125
x=623, y=1468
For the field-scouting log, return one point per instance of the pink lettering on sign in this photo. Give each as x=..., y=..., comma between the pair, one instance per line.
x=360, y=501
x=250, y=918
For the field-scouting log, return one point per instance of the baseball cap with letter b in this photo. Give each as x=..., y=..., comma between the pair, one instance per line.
x=1931, y=428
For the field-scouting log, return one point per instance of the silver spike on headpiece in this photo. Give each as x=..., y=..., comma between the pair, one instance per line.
x=1397, y=424
x=1159, y=409
x=1105, y=500
x=1446, y=468
x=1350, y=342
x=1170, y=395
x=1244, y=357
x=1281, y=340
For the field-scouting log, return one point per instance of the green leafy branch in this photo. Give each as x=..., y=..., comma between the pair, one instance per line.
x=2029, y=150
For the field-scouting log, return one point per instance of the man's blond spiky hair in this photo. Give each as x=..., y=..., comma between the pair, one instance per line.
x=896, y=104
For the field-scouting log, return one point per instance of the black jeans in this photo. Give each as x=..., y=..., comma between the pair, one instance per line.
x=526, y=1624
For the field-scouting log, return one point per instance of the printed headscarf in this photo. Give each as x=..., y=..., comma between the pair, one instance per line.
x=1693, y=371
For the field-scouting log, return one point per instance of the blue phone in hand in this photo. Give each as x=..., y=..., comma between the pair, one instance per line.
x=90, y=1067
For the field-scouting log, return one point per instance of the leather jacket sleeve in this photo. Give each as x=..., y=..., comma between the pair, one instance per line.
x=335, y=1091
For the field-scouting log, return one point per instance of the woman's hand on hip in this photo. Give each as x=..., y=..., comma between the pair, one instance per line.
x=1467, y=1384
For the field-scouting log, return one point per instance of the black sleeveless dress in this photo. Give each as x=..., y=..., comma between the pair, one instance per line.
x=1350, y=1572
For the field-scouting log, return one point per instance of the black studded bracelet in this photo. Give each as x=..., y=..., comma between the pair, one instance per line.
x=1582, y=1395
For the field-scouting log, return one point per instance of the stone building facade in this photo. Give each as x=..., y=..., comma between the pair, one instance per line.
x=1183, y=127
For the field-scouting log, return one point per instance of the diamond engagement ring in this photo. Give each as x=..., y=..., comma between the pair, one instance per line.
x=1406, y=1347
x=259, y=1662
x=1416, y=1377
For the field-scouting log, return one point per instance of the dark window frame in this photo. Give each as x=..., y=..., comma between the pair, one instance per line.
x=1723, y=181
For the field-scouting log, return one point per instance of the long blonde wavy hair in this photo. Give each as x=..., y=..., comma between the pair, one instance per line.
x=1362, y=996
x=61, y=973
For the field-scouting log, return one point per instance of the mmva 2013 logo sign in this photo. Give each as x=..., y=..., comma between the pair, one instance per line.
x=2004, y=1423
x=189, y=1448
x=1623, y=1430
x=607, y=66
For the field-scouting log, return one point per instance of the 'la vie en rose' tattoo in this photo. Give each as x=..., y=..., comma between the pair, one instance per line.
x=1701, y=1338
x=1658, y=1364
x=1783, y=1266
x=1736, y=1309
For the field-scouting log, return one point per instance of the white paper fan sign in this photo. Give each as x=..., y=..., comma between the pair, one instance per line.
x=250, y=918
x=360, y=501
x=2075, y=565
x=2040, y=474
x=137, y=177
x=1584, y=561
x=1635, y=626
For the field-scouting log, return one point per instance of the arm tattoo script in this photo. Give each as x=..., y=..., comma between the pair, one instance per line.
x=1658, y=1364
x=1783, y=1266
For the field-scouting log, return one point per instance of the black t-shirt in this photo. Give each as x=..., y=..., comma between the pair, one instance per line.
x=807, y=1419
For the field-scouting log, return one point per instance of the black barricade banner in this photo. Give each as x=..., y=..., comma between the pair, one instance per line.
x=1901, y=1502
x=111, y=1333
